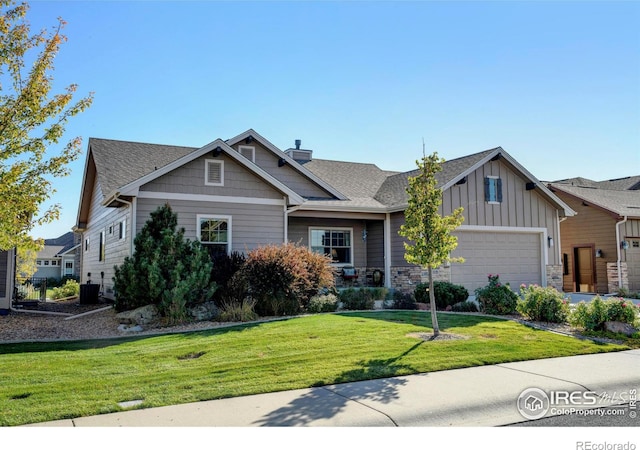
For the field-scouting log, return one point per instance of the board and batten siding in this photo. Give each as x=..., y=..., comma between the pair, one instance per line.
x=107, y=220
x=519, y=208
x=266, y=160
x=630, y=229
x=190, y=179
x=252, y=225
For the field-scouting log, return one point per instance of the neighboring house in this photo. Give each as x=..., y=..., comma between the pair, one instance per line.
x=601, y=244
x=60, y=257
x=244, y=192
x=7, y=279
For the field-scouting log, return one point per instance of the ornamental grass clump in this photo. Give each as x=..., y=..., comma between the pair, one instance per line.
x=496, y=298
x=544, y=304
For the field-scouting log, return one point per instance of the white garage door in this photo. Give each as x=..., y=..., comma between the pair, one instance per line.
x=516, y=257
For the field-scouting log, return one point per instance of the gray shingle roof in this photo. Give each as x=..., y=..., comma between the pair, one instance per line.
x=55, y=246
x=393, y=191
x=121, y=162
x=621, y=202
x=50, y=251
x=355, y=180
x=618, y=184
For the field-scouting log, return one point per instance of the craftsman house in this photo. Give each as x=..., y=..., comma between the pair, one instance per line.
x=243, y=192
x=601, y=244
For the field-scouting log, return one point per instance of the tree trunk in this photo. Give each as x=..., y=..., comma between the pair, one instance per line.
x=432, y=304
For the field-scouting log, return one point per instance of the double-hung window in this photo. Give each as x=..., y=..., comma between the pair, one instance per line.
x=214, y=232
x=335, y=242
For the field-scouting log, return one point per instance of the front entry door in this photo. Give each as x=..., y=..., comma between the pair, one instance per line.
x=584, y=270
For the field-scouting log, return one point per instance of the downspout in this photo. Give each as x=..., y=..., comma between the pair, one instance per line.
x=618, y=249
x=133, y=219
x=387, y=251
x=287, y=211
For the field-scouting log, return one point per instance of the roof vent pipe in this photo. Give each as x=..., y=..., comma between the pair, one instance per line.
x=298, y=143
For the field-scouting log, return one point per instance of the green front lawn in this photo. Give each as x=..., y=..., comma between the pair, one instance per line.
x=49, y=381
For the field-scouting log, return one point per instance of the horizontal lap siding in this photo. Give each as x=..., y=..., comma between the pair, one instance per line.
x=190, y=179
x=252, y=225
x=375, y=244
x=266, y=160
x=591, y=226
x=299, y=233
x=104, y=219
x=397, y=247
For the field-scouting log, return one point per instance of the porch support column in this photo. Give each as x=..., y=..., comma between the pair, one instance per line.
x=387, y=250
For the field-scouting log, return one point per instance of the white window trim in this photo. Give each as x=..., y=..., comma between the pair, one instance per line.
x=329, y=228
x=248, y=147
x=199, y=217
x=123, y=224
x=493, y=177
x=206, y=172
x=102, y=246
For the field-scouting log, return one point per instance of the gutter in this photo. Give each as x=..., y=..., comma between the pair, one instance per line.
x=618, y=249
x=287, y=211
x=131, y=205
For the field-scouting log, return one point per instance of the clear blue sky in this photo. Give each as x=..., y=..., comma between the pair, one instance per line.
x=556, y=84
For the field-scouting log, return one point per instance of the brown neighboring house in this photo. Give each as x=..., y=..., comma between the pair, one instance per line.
x=244, y=192
x=601, y=243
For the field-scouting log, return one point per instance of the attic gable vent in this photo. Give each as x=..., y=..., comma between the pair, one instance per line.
x=248, y=152
x=214, y=172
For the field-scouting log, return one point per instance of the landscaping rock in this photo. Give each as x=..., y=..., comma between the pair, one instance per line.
x=619, y=327
x=129, y=328
x=205, y=311
x=139, y=316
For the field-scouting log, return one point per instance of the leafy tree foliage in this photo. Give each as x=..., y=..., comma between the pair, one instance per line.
x=165, y=270
x=428, y=232
x=31, y=120
x=26, y=262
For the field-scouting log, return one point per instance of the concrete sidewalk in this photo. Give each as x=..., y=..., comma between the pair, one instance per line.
x=477, y=396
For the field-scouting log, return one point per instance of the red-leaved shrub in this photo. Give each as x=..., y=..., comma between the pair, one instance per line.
x=283, y=278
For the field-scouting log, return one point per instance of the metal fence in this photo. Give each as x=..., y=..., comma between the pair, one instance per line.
x=30, y=290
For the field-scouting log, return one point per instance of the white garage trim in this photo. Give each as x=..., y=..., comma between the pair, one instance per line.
x=544, y=250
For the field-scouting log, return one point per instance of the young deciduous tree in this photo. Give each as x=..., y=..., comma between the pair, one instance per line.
x=427, y=230
x=31, y=120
